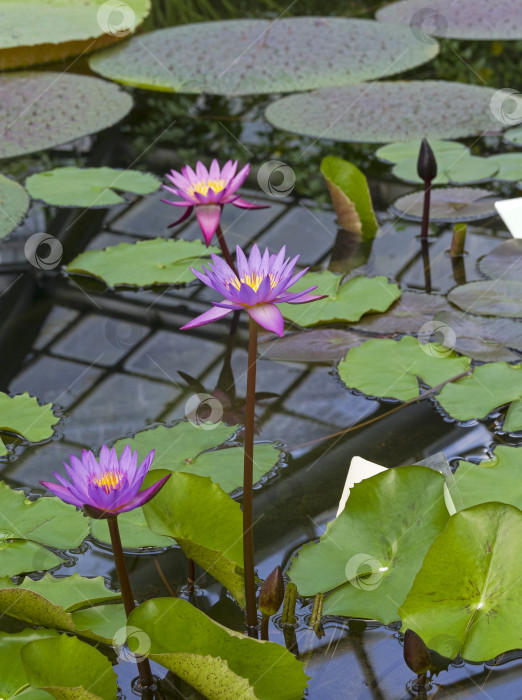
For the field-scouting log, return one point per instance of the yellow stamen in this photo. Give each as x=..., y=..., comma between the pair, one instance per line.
x=253, y=281
x=109, y=481
x=203, y=186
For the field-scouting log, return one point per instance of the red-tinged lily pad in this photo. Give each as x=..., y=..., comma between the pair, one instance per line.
x=400, y=111
x=448, y=205
x=255, y=56
x=504, y=262
x=328, y=345
x=464, y=19
x=44, y=110
x=407, y=316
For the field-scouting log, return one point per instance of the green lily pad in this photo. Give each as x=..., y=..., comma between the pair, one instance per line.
x=62, y=28
x=503, y=262
x=514, y=136
x=325, y=345
x=134, y=531
x=12, y=673
x=142, y=264
x=484, y=339
x=488, y=388
x=269, y=668
x=88, y=187
x=23, y=415
x=392, y=368
x=464, y=596
x=67, y=668
x=509, y=166
x=262, y=56
x=489, y=298
x=65, y=604
x=454, y=166
x=400, y=111
x=14, y=203
x=397, y=152
x=409, y=314
x=345, y=302
x=351, y=197
x=467, y=19
x=67, y=107
x=205, y=522
x=369, y=568
x=447, y=205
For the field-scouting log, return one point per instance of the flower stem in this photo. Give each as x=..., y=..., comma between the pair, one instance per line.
x=126, y=591
x=224, y=248
x=248, y=524
x=264, y=626
x=426, y=210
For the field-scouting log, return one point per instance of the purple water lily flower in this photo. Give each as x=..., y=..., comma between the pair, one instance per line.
x=208, y=191
x=261, y=283
x=108, y=487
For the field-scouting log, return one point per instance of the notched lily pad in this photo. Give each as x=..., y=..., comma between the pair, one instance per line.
x=14, y=203
x=23, y=415
x=262, y=56
x=88, y=187
x=325, y=345
x=489, y=298
x=407, y=316
x=503, y=262
x=68, y=106
x=142, y=264
x=448, y=205
x=400, y=111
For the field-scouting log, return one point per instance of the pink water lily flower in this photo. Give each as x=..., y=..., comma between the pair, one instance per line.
x=208, y=191
x=261, y=284
x=108, y=487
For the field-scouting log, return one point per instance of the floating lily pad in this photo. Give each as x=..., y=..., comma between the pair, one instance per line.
x=484, y=339
x=369, y=568
x=14, y=203
x=325, y=345
x=72, y=604
x=262, y=56
x=143, y=264
x=12, y=673
x=270, y=670
x=134, y=531
x=402, y=150
x=346, y=302
x=487, y=389
x=407, y=316
x=23, y=415
x=454, y=166
x=62, y=28
x=466, y=19
x=205, y=522
x=447, y=205
x=504, y=262
x=40, y=110
x=509, y=166
x=400, y=111
x=514, y=136
x=464, y=596
x=392, y=368
x=88, y=187
x=489, y=298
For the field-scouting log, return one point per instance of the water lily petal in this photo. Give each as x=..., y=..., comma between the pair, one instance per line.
x=243, y=204
x=208, y=218
x=268, y=316
x=184, y=216
x=144, y=496
x=213, y=314
x=305, y=298
x=62, y=493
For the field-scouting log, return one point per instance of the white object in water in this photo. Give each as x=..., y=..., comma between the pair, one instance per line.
x=511, y=212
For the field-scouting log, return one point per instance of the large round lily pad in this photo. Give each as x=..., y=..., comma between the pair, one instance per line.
x=388, y=111
x=245, y=57
x=447, y=205
x=14, y=203
x=61, y=28
x=504, y=262
x=500, y=297
x=464, y=19
x=453, y=166
x=43, y=110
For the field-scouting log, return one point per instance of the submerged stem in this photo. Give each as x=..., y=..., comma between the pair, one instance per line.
x=248, y=523
x=224, y=248
x=126, y=591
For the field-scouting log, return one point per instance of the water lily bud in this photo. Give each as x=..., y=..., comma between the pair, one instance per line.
x=272, y=592
x=426, y=163
x=416, y=654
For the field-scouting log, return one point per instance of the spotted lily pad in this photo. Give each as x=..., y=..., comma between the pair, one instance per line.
x=62, y=28
x=465, y=19
x=262, y=56
x=23, y=415
x=345, y=302
x=325, y=345
x=142, y=264
x=400, y=111
x=407, y=316
x=448, y=205
x=14, y=203
x=504, y=262
x=453, y=166
x=489, y=298
x=88, y=187
x=509, y=166
x=40, y=110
